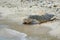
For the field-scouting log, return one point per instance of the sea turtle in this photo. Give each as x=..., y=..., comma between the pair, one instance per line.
x=33, y=19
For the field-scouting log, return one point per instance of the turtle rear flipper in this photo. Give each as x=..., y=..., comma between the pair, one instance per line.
x=53, y=18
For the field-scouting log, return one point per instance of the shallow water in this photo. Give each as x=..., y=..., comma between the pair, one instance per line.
x=34, y=32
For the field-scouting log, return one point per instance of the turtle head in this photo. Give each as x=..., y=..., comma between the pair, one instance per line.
x=27, y=21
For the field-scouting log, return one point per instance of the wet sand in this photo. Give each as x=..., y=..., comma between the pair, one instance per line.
x=34, y=32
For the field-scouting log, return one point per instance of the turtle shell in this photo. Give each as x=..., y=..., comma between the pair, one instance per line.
x=42, y=18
